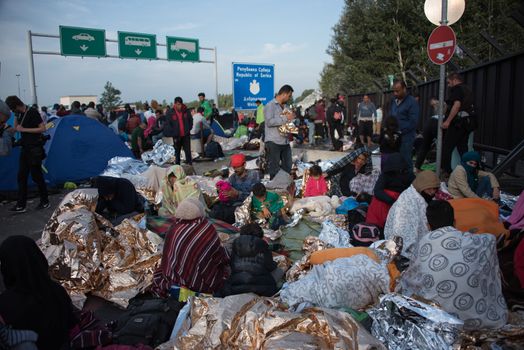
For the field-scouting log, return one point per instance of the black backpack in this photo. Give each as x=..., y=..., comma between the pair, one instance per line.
x=147, y=322
x=356, y=216
x=214, y=150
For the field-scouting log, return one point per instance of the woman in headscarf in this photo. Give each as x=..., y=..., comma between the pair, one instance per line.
x=467, y=181
x=117, y=198
x=193, y=257
x=175, y=188
x=32, y=301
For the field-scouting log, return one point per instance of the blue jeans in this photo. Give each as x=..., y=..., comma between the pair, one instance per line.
x=311, y=132
x=484, y=188
x=406, y=149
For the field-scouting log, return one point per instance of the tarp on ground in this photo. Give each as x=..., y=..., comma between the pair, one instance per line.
x=79, y=148
x=218, y=129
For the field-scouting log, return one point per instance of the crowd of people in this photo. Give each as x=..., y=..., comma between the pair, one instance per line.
x=440, y=261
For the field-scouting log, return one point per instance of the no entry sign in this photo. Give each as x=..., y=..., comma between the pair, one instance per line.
x=441, y=44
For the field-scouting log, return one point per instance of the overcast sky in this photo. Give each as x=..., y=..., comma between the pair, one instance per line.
x=291, y=34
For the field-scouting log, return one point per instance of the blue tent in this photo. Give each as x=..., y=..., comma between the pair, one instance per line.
x=79, y=148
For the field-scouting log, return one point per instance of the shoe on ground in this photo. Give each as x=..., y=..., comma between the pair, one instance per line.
x=43, y=205
x=18, y=209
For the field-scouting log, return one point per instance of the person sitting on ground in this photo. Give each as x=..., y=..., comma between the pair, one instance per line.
x=76, y=109
x=200, y=124
x=407, y=216
x=394, y=179
x=32, y=300
x=467, y=181
x=139, y=142
x=349, y=166
x=457, y=270
x=132, y=123
x=117, y=199
x=252, y=267
x=316, y=184
x=242, y=181
x=175, y=188
x=91, y=112
x=193, y=257
x=390, y=139
x=268, y=206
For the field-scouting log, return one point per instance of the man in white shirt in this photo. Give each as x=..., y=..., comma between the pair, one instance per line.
x=200, y=124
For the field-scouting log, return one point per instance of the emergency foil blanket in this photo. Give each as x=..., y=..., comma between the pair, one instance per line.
x=86, y=254
x=160, y=154
x=246, y=321
x=403, y=323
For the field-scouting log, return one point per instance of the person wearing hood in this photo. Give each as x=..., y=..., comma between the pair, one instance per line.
x=175, y=188
x=117, y=198
x=407, y=216
x=32, y=300
x=394, y=179
x=467, y=181
x=193, y=257
x=178, y=126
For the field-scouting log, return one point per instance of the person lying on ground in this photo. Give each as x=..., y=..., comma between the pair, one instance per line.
x=32, y=300
x=175, y=188
x=349, y=166
x=117, y=198
x=252, y=267
x=407, y=216
x=468, y=181
x=457, y=270
x=193, y=256
x=268, y=206
x=394, y=179
x=316, y=184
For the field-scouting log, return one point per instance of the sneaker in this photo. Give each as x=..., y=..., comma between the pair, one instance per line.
x=42, y=205
x=18, y=209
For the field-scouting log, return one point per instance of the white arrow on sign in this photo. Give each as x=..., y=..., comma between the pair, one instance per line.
x=138, y=52
x=84, y=47
x=183, y=54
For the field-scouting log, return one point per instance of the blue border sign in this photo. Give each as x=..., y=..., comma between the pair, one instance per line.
x=252, y=82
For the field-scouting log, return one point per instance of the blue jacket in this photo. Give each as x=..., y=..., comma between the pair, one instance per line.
x=406, y=113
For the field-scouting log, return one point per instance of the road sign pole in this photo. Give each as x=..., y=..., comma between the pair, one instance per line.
x=216, y=78
x=32, y=83
x=442, y=86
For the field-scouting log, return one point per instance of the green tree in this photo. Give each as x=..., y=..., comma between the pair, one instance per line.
x=304, y=94
x=225, y=101
x=110, y=98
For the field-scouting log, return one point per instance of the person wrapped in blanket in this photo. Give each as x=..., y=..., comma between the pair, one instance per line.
x=252, y=267
x=355, y=162
x=457, y=270
x=33, y=307
x=175, y=188
x=268, y=206
x=117, y=198
x=193, y=258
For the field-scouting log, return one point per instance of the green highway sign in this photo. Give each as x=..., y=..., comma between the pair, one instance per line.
x=182, y=49
x=76, y=41
x=137, y=45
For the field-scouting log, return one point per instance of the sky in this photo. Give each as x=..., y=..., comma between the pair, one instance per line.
x=291, y=34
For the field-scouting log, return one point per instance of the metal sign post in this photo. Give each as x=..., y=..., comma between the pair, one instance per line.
x=87, y=40
x=441, y=88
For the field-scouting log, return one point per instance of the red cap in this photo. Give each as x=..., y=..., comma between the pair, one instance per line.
x=238, y=160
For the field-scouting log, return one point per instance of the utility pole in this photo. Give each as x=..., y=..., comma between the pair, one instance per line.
x=18, y=78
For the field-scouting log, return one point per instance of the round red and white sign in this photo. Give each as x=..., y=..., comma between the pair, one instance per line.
x=441, y=44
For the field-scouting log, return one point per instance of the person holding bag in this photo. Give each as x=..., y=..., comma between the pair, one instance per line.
x=31, y=127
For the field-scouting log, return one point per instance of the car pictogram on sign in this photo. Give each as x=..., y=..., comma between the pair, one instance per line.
x=83, y=36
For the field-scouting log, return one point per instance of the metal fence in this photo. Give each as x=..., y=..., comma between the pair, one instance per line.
x=498, y=89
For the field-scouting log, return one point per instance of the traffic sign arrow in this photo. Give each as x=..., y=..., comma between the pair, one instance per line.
x=183, y=54
x=84, y=47
x=138, y=52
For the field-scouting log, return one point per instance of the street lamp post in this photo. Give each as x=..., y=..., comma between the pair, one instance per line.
x=18, y=78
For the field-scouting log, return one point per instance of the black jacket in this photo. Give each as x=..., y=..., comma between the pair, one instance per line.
x=126, y=200
x=172, y=126
x=395, y=176
x=348, y=173
x=251, y=267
